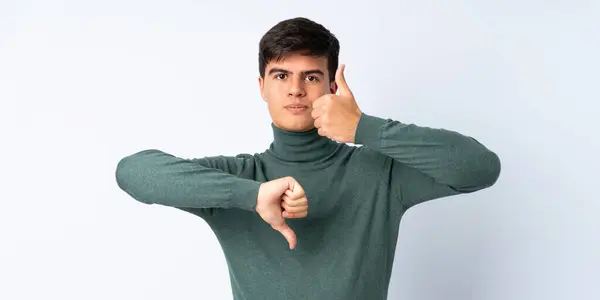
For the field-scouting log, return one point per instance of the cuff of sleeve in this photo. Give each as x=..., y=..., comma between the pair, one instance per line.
x=244, y=194
x=368, y=131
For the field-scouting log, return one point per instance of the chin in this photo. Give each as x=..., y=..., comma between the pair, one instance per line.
x=307, y=127
x=297, y=126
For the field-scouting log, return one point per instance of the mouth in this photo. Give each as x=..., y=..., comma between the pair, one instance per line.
x=296, y=107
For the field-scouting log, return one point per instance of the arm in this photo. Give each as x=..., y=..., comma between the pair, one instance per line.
x=427, y=163
x=156, y=177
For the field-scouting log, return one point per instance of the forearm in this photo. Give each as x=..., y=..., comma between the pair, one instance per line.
x=156, y=177
x=448, y=157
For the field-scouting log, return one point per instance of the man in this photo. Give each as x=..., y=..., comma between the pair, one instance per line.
x=338, y=206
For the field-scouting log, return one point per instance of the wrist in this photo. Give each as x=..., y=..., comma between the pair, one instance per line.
x=258, y=196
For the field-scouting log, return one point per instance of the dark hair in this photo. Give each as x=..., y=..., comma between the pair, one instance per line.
x=298, y=34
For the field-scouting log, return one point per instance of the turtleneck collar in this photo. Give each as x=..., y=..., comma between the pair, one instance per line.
x=306, y=146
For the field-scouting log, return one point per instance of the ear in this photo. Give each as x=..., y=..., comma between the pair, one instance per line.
x=333, y=87
x=261, y=86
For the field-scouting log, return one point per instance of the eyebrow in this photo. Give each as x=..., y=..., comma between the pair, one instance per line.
x=307, y=72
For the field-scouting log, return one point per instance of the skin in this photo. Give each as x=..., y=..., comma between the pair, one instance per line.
x=304, y=80
x=296, y=79
x=299, y=80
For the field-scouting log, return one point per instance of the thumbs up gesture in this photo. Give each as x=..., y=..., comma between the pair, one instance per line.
x=280, y=199
x=337, y=116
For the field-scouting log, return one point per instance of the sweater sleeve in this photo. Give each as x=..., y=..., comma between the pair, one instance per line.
x=428, y=163
x=155, y=177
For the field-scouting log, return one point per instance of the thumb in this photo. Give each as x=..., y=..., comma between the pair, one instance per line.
x=288, y=233
x=340, y=81
x=296, y=191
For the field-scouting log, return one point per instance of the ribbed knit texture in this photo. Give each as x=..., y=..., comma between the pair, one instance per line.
x=357, y=196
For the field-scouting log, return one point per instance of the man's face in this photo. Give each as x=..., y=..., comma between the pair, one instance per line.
x=291, y=85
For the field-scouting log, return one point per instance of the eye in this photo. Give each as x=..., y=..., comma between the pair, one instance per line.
x=313, y=78
x=280, y=76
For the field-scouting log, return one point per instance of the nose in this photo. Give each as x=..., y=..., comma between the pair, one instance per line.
x=296, y=88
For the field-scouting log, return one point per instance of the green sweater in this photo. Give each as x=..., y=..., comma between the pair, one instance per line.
x=356, y=194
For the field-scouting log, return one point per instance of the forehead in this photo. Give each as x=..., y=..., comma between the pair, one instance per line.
x=299, y=62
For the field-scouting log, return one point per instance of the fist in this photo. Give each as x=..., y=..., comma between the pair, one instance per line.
x=279, y=199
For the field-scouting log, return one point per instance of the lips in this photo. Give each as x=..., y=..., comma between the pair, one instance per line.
x=297, y=109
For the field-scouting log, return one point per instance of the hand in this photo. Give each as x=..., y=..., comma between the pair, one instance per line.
x=279, y=199
x=337, y=116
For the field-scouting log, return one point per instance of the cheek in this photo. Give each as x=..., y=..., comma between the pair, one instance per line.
x=273, y=97
x=273, y=91
x=315, y=92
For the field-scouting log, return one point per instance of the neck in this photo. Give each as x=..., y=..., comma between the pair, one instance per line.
x=305, y=146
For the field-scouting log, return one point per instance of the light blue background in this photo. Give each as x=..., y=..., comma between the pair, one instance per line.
x=84, y=83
